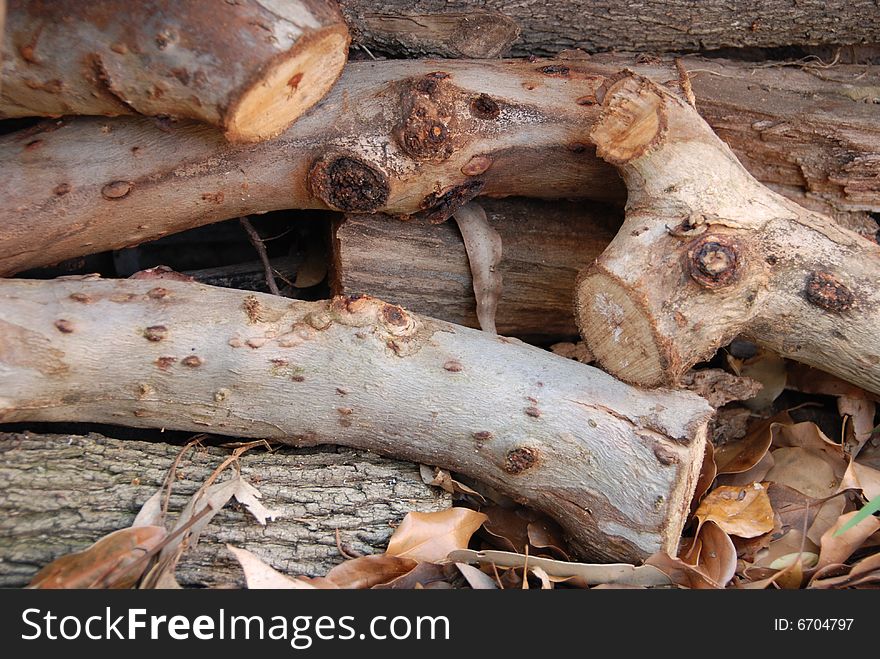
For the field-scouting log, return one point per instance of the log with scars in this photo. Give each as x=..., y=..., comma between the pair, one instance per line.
x=249, y=67
x=707, y=253
x=415, y=138
x=617, y=466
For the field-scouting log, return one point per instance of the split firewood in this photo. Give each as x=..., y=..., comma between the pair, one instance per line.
x=616, y=466
x=249, y=67
x=408, y=28
x=105, y=481
x=414, y=138
x=707, y=253
x=544, y=243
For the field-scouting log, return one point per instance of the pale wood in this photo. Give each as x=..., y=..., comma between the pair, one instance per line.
x=614, y=465
x=708, y=253
x=424, y=267
x=90, y=185
x=63, y=492
x=250, y=67
x=406, y=28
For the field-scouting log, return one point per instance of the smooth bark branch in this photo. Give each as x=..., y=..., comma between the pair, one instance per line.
x=616, y=466
x=250, y=67
x=707, y=253
x=413, y=28
x=63, y=492
x=425, y=269
x=406, y=138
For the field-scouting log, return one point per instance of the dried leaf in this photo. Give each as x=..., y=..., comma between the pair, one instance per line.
x=836, y=548
x=580, y=573
x=424, y=575
x=864, y=479
x=807, y=558
x=477, y=579
x=719, y=387
x=441, y=478
x=865, y=571
x=430, y=537
x=770, y=370
x=544, y=533
x=861, y=411
x=811, y=380
x=483, y=246
x=826, y=517
x=508, y=528
x=743, y=511
x=546, y=583
x=114, y=561
x=717, y=555
x=681, y=573
x=741, y=455
x=792, y=542
x=756, y=474
x=151, y=513
x=369, y=571
x=808, y=472
x=869, y=509
x=795, y=509
x=708, y=471
x=261, y=576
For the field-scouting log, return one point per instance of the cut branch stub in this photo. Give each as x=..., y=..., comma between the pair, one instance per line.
x=707, y=253
x=615, y=465
x=250, y=68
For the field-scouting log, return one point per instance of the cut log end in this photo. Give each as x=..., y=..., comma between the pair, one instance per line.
x=289, y=87
x=619, y=333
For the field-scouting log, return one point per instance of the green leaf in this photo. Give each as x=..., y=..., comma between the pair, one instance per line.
x=870, y=508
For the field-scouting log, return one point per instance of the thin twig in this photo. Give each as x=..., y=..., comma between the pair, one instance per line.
x=257, y=242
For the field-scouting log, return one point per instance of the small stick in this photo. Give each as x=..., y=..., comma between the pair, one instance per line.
x=257, y=242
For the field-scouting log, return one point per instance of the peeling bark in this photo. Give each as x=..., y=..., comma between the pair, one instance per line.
x=250, y=67
x=614, y=465
x=413, y=139
x=707, y=253
x=63, y=492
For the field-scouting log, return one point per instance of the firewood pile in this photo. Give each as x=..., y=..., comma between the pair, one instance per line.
x=440, y=294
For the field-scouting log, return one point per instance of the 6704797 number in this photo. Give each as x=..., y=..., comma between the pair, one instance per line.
x=812, y=624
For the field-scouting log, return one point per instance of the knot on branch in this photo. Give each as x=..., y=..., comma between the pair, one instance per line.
x=714, y=261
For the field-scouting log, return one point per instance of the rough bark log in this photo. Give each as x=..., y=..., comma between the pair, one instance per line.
x=249, y=67
x=614, y=465
x=425, y=268
x=707, y=253
x=400, y=138
x=63, y=492
x=417, y=28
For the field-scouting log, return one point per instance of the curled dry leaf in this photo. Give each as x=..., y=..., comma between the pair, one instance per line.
x=743, y=511
x=477, y=579
x=429, y=537
x=837, y=548
x=261, y=576
x=861, y=412
x=864, y=572
x=369, y=571
x=809, y=380
x=719, y=387
x=792, y=542
x=743, y=454
x=507, y=528
x=483, y=246
x=862, y=478
x=708, y=471
x=715, y=554
x=583, y=574
x=794, y=509
x=769, y=369
x=437, y=477
x=423, y=575
x=826, y=517
x=544, y=533
x=114, y=561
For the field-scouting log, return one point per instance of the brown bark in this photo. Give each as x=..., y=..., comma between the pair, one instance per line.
x=425, y=268
x=249, y=67
x=493, y=128
x=614, y=465
x=418, y=28
x=707, y=253
x=63, y=492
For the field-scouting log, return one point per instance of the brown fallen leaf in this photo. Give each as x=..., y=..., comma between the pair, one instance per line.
x=429, y=537
x=744, y=511
x=477, y=579
x=506, y=528
x=716, y=557
x=483, y=246
x=583, y=574
x=369, y=571
x=546, y=534
x=811, y=380
x=767, y=368
x=681, y=573
x=865, y=571
x=423, y=575
x=437, y=477
x=792, y=542
x=756, y=474
x=826, y=517
x=861, y=413
x=795, y=509
x=862, y=478
x=708, y=471
x=114, y=561
x=838, y=548
x=743, y=454
x=259, y=575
